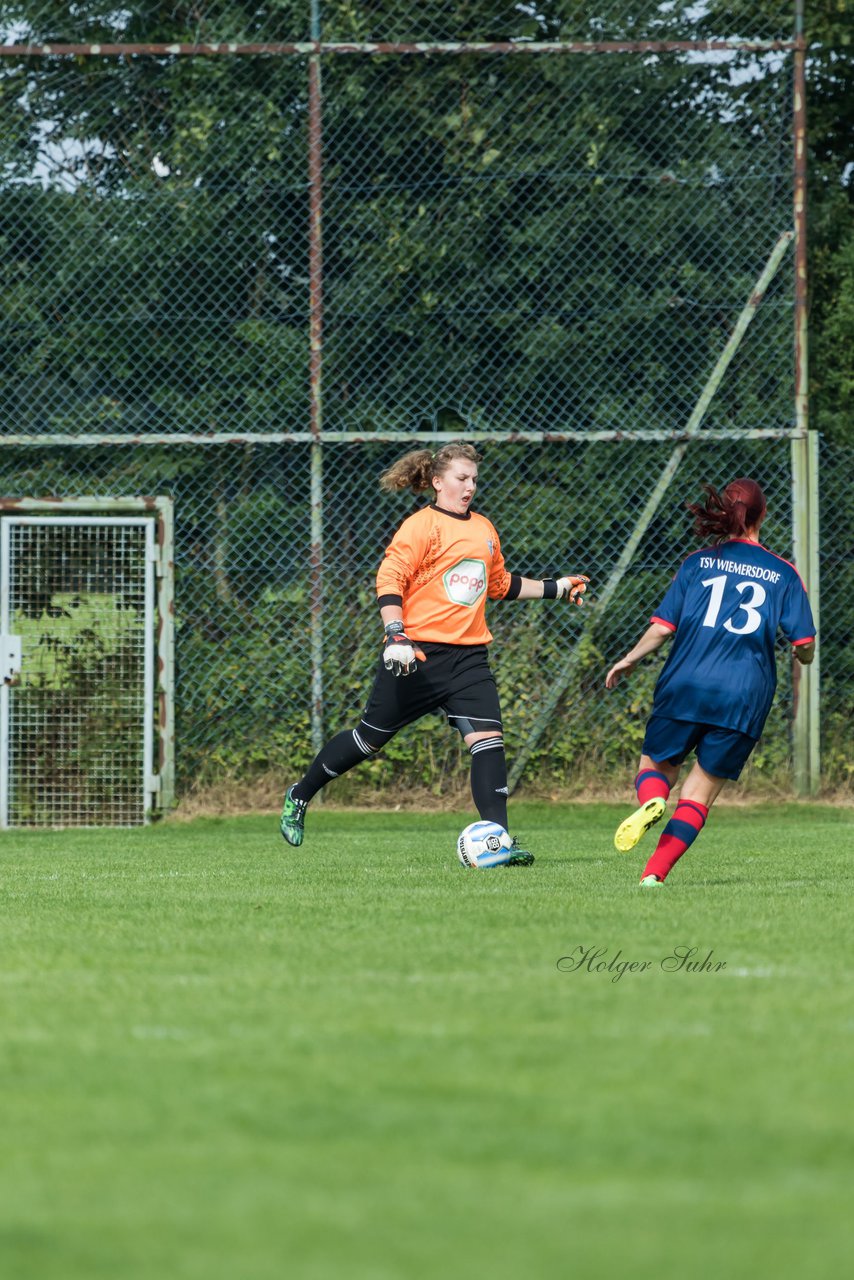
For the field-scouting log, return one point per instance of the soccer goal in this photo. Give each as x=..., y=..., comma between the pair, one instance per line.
x=86, y=647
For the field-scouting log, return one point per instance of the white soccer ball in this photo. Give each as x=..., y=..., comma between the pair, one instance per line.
x=483, y=844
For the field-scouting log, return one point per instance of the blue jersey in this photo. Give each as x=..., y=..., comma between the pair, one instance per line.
x=725, y=605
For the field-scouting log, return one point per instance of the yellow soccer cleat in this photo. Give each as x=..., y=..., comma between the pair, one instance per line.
x=630, y=831
x=651, y=882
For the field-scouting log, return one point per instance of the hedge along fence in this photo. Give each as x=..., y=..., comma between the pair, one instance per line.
x=244, y=597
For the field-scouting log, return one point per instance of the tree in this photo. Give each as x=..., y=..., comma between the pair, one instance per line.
x=830, y=27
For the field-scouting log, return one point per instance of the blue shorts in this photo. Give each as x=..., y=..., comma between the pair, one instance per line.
x=721, y=752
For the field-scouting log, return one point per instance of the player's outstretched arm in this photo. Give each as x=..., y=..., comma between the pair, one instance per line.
x=652, y=639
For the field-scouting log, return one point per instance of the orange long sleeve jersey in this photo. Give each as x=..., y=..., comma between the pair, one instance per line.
x=441, y=568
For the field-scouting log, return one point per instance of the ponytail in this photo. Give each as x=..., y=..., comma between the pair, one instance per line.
x=412, y=471
x=729, y=514
x=416, y=470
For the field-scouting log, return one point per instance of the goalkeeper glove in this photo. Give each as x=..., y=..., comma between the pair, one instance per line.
x=572, y=587
x=401, y=655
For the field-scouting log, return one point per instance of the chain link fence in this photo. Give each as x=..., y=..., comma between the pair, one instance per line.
x=244, y=586
x=250, y=277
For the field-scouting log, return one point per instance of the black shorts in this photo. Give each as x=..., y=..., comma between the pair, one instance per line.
x=455, y=678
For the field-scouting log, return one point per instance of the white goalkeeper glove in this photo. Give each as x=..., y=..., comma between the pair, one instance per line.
x=572, y=587
x=402, y=655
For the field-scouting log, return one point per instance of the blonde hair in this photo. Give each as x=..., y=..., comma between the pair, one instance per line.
x=416, y=470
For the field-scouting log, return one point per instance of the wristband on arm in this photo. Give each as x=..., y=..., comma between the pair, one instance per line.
x=571, y=587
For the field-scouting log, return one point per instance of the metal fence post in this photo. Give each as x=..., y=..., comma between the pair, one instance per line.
x=813, y=689
x=806, y=731
x=315, y=268
x=164, y=507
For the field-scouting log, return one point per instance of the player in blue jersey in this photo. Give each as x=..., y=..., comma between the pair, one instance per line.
x=722, y=611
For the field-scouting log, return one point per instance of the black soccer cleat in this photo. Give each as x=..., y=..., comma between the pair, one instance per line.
x=292, y=821
x=519, y=857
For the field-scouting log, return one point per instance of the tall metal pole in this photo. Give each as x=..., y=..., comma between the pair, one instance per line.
x=807, y=725
x=315, y=272
x=164, y=507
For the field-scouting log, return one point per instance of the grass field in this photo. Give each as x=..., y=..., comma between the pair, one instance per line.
x=225, y=1058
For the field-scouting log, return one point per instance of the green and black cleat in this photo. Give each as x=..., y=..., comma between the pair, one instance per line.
x=518, y=857
x=292, y=821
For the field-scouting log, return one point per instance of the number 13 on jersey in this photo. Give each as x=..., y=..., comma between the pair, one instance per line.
x=750, y=606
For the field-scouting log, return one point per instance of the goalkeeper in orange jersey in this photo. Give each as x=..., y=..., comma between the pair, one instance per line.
x=432, y=587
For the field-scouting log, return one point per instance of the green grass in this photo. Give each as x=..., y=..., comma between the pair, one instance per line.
x=225, y=1058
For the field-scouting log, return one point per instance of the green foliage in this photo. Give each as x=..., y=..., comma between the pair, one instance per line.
x=830, y=110
x=77, y=712
x=81, y=629
x=503, y=231
x=834, y=341
x=244, y=601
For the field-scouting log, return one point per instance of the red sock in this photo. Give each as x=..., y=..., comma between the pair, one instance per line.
x=649, y=784
x=681, y=831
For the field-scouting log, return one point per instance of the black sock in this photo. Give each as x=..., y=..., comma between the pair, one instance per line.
x=341, y=753
x=489, y=779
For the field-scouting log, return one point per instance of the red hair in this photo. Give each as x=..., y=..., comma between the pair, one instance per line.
x=741, y=506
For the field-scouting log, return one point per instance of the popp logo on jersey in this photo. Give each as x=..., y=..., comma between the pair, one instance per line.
x=466, y=582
